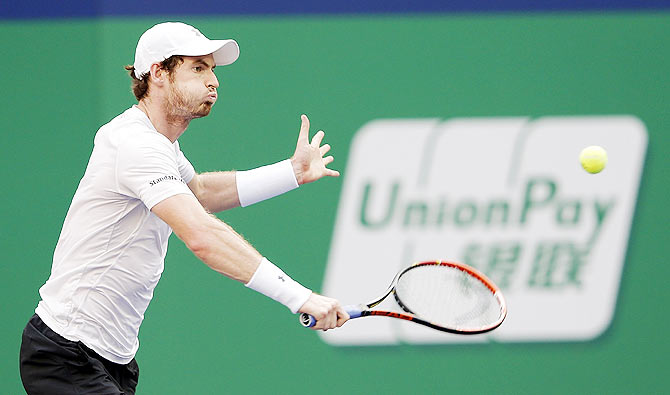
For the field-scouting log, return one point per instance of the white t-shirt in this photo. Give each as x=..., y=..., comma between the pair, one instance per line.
x=110, y=253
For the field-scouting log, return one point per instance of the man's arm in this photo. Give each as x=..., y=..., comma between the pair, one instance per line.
x=215, y=191
x=218, y=191
x=211, y=240
x=224, y=250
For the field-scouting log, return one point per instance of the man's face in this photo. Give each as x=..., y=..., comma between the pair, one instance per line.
x=192, y=88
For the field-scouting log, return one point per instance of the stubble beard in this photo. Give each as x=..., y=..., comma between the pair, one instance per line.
x=179, y=106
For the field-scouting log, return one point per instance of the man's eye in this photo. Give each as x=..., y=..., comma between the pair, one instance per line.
x=197, y=68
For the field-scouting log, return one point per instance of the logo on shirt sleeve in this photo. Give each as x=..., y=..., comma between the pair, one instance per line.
x=169, y=177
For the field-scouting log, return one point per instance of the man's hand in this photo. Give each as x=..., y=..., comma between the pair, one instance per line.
x=308, y=161
x=327, y=312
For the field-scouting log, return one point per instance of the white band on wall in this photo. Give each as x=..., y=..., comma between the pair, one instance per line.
x=265, y=182
x=272, y=282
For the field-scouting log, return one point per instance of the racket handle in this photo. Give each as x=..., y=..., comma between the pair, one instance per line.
x=308, y=321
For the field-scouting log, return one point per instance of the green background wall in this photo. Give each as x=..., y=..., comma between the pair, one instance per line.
x=206, y=334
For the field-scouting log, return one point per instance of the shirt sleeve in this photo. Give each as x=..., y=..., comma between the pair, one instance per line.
x=148, y=168
x=185, y=167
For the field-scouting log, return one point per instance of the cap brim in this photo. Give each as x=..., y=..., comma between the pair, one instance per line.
x=225, y=52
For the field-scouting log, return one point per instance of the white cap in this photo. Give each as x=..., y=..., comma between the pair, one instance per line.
x=176, y=38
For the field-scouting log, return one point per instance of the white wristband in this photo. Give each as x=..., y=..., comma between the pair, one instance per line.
x=272, y=282
x=265, y=182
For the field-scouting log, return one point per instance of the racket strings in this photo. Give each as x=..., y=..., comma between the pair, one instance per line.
x=447, y=296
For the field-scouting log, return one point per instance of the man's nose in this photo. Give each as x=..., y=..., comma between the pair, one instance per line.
x=213, y=81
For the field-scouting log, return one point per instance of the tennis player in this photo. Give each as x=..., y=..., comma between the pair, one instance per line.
x=137, y=189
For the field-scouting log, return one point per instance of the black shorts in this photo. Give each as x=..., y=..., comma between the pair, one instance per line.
x=51, y=364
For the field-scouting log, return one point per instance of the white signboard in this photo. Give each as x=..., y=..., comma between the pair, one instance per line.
x=505, y=195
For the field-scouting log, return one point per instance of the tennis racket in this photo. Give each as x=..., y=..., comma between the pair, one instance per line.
x=447, y=296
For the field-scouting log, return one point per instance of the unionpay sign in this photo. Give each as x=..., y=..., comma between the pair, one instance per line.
x=505, y=195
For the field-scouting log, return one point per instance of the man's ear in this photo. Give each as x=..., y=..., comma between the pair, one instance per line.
x=157, y=74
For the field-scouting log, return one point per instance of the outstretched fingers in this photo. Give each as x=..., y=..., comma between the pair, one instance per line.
x=303, y=137
x=318, y=137
x=309, y=160
x=332, y=173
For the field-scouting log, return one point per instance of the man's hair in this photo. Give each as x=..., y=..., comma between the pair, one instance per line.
x=140, y=86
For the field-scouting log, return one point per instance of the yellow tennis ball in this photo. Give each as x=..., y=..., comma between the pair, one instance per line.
x=593, y=159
